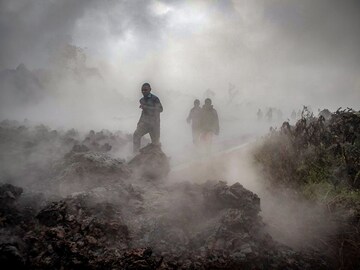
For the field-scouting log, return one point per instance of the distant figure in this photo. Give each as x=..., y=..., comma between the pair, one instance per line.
x=194, y=118
x=149, y=121
x=259, y=115
x=209, y=123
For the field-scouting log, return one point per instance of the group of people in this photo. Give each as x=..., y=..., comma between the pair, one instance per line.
x=270, y=115
x=204, y=120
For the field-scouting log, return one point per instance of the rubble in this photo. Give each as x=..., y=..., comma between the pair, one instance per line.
x=151, y=162
x=78, y=232
x=29, y=153
x=9, y=193
x=215, y=232
x=235, y=196
x=99, y=212
x=105, y=141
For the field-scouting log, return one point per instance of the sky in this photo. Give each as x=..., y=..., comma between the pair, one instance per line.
x=276, y=53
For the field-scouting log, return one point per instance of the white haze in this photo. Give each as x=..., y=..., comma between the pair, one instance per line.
x=276, y=53
x=281, y=54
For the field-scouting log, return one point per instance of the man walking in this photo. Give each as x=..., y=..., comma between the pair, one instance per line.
x=209, y=124
x=149, y=121
x=194, y=118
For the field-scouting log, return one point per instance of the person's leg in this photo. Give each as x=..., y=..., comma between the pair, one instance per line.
x=140, y=131
x=210, y=139
x=208, y=142
x=155, y=134
x=196, y=135
x=202, y=142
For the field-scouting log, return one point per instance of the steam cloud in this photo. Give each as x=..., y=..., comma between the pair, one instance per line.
x=81, y=63
x=269, y=49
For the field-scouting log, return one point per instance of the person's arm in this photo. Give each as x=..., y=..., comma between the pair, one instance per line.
x=157, y=107
x=189, y=118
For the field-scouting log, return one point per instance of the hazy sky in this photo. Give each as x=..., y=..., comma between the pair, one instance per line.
x=274, y=51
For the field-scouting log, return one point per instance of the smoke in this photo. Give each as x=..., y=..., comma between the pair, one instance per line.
x=290, y=219
x=273, y=50
x=85, y=61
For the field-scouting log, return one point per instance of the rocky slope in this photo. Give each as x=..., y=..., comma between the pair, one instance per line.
x=100, y=212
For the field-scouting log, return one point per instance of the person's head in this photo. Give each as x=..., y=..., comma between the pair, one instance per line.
x=196, y=103
x=208, y=102
x=145, y=89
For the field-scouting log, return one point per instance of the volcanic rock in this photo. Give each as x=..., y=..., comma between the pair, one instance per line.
x=151, y=162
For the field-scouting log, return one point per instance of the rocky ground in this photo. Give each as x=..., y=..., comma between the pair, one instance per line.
x=90, y=210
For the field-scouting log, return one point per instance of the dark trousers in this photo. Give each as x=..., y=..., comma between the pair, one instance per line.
x=143, y=128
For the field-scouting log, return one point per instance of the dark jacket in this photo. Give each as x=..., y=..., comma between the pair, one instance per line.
x=151, y=109
x=209, y=120
x=194, y=117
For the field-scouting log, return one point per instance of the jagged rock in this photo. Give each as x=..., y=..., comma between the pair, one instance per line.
x=38, y=150
x=80, y=148
x=81, y=232
x=78, y=233
x=151, y=162
x=10, y=214
x=52, y=214
x=84, y=171
x=141, y=259
x=235, y=196
x=105, y=141
x=9, y=193
x=10, y=257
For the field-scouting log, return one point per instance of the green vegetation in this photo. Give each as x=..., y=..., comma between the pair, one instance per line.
x=319, y=158
x=315, y=152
